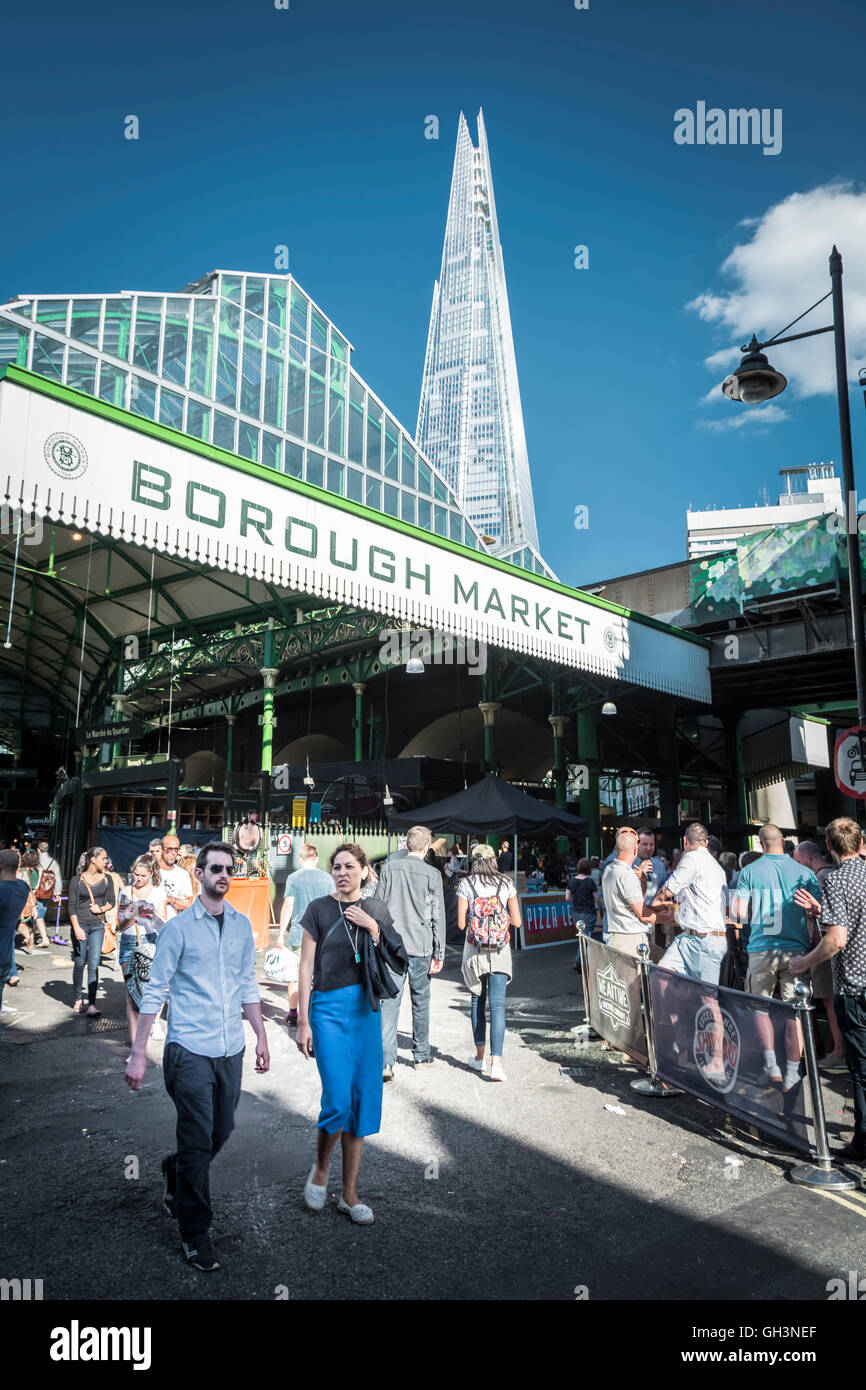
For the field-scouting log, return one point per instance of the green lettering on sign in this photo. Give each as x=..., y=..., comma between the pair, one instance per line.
x=145, y=479
x=417, y=574
x=314, y=537
x=192, y=488
x=259, y=524
x=560, y=619
x=388, y=571
x=462, y=595
x=519, y=609
x=539, y=618
x=494, y=601
x=344, y=564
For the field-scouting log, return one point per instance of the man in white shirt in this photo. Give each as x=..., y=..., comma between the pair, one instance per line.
x=175, y=880
x=698, y=884
x=628, y=919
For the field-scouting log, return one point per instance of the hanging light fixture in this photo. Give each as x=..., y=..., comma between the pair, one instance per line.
x=608, y=707
x=308, y=780
x=415, y=666
x=387, y=799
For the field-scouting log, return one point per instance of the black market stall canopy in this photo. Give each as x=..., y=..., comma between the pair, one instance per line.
x=489, y=806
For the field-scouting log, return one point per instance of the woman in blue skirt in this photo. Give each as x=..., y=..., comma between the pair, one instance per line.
x=339, y=1022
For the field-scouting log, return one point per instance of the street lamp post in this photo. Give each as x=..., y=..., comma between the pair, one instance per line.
x=756, y=382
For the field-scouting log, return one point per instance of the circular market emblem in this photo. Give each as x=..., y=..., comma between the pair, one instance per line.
x=610, y=639
x=717, y=1047
x=65, y=455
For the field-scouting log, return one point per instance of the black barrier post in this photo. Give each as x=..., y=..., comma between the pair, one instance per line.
x=821, y=1174
x=649, y=1085
x=585, y=1027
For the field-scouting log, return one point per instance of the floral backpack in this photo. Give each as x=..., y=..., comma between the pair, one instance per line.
x=488, y=922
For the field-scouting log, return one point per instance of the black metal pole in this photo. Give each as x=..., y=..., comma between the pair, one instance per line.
x=854, y=585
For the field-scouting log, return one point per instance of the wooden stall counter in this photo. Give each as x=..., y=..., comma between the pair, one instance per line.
x=252, y=897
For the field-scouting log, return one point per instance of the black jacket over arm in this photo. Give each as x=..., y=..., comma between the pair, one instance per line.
x=390, y=951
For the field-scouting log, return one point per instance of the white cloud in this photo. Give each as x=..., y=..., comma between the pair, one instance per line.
x=742, y=416
x=779, y=272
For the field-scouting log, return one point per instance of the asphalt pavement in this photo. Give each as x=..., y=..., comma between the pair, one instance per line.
x=531, y=1189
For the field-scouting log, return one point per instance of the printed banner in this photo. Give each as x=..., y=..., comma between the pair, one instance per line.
x=548, y=920
x=611, y=988
x=711, y=1041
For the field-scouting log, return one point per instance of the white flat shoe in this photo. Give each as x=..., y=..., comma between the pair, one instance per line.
x=361, y=1215
x=315, y=1197
x=496, y=1072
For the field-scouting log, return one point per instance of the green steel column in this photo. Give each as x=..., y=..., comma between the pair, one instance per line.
x=587, y=746
x=742, y=799
x=231, y=720
x=269, y=675
x=488, y=710
x=118, y=699
x=558, y=722
x=359, y=687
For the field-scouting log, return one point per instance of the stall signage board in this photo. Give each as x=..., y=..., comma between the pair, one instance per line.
x=849, y=765
x=548, y=920
x=284, y=844
x=112, y=733
x=299, y=811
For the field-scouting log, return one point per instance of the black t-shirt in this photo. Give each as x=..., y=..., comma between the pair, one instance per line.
x=582, y=891
x=13, y=896
x=336, y=966
x=506, y=861
x=79, y=900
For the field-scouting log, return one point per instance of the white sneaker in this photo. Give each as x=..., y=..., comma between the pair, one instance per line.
x=315, y=1197
x=477, y=1063
x=496, y=1072
x=359, y=1213
x=8, y=1009
x=770, y=1076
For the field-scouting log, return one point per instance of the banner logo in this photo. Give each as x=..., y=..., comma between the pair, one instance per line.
x=613, y=999
x=716, y=1047
x=65, y=455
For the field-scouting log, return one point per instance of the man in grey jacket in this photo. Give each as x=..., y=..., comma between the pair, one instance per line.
x=412, y=892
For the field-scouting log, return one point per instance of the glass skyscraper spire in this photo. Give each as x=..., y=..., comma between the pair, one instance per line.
x=470, y=421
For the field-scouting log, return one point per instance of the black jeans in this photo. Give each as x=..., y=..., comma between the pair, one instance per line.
x=851, y=1013
x=205, y=1091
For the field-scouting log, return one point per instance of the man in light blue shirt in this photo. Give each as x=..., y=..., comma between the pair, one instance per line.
x=205, y=959
x=302, y=887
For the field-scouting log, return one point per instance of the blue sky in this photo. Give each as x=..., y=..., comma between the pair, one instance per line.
x=306, y=127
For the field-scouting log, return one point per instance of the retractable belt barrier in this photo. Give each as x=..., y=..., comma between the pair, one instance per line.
x=713, y=1043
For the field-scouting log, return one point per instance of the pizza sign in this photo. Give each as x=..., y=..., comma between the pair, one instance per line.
x=849, y=763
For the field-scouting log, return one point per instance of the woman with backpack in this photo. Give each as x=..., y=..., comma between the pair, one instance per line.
x=487, y=908
x=91, y=896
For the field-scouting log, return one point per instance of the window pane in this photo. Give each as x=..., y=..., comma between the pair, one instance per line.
x=318, y=331
x=337, y=408
x=112, y=384
x=47, y=357
x=354, y=484
x=407, y=467
x=392, y=501
x=224, y=431
x=392, y=450
x=84, y=324
x=272, y=406
x=272, y=450
x=294, y=459
x=254, y=299
x=439, y=489
x=198, y=420
x=148, y=326
x=115, y=328
x=339, y=347
x=315, y=469
x=423, y=477
x=142, y=397
x=277, y=303
x=201, y=355
x=248, y=441
x=52, y=312
x=407, y=506
x=423, y=514
x=251, y=368
x=316, y=405
x=171, y=409
x=174, y=340
x=13, y=345
x=298, y=321
x=296, y=381
x=356, y=420
x=230, y=288
x=227, y=356
x=81, y=372
x=336, y=475
x=374, y=437
x=373, y=489
x=440, y=521
x=455, y=526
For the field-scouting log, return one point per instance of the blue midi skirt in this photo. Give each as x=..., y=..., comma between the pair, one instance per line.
x=347, y=1043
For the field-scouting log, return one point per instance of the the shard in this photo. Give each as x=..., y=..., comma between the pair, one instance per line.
x=470, y=420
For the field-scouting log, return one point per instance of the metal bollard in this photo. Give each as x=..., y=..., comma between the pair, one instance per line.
x=822, y=1173
x=585, y=1029
x=649, y=1085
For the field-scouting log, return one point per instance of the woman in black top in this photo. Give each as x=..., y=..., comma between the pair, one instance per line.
x=91, y=896
x=335, y=1014
x=581, y=893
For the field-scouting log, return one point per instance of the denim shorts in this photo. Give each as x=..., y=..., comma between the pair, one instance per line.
x=697, y=957
x=128, y=944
